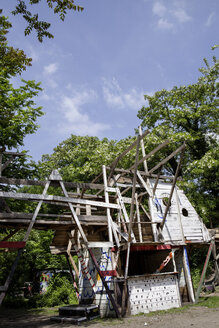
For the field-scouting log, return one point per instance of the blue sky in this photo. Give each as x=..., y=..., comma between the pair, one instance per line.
x=102, y=62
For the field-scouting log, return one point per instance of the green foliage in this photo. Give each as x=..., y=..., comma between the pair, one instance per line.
x=60, y=291
x=59, y=7
x=190, y=113
x=18, y=113
x=81, y=158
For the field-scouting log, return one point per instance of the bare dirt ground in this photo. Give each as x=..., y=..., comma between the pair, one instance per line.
x=200, y=317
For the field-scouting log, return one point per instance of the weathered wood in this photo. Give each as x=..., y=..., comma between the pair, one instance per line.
x=132, y=209
x=156, y=182
x=10, y=276
x=13, y=153
x=143, y=151
x=154, y=151
x=165, y=160
x=36, y=212
x=110, y=225
x=172, y=188
x=115, y=162
x=144, y=183
x=12, y=244
x=38, y=197
x=72, y=275
x=138, y=219
x=204, y=271
x=149, y=175
x=74, y=215
x=25, y=182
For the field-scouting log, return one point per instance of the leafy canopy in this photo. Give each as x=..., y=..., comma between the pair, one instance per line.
x=18, y=111
x=190, y=113
x=59, y=7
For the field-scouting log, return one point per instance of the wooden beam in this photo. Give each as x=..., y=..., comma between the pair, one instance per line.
x=172, y=188
x=163, y=177
x=74, y=215
x=154, y=151
x=204, y=271
x=13, y=153
x=132, y=209
x=25, y=182
x=165, y=160
x=38, y=197
x=115, y=162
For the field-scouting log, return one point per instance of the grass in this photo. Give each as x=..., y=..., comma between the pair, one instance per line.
x=209, y=301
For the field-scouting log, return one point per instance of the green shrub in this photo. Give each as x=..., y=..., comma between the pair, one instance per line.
x=60, y=291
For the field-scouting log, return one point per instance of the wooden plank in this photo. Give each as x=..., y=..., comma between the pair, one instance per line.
x=46, y=223
x=115, y=162
x=132, y=210
x=24, y=182
x=110, y=225
x=9, y=278
x=204, y=271
x=144, y=184
x=143, y=151
x=149, y=175
x=38, y=197
x=12, y=244
x=13, y=153
x=172, y=188
x=36, y=212
x=74, y=215
x=154, y=151
x=10, y=159
x=138, y=219
x=100, y=244
x=165, y=160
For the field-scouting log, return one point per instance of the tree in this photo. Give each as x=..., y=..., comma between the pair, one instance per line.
x=81, y=158
x=59, y=7
x=18, y=111
x=190, y=113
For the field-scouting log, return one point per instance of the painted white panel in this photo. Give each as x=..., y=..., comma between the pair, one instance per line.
x=160, y=292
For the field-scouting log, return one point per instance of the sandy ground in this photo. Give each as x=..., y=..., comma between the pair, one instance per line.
x=200, y=317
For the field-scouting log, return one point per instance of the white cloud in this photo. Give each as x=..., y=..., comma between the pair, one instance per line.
x=210, y=19
x=159, y=9
x=74, y=119
x=116, y=97
x=33, y=54
x=164, y=24
x=181, y=15
x=50, y=69
x=170, y=14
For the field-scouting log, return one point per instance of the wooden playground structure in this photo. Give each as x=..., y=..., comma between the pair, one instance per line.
x=131, y=230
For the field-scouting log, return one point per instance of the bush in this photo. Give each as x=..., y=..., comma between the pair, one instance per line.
x=60, y=291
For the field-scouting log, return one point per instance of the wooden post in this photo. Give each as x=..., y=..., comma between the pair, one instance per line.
x=138, y=219
x=172, y=189
x=204, y=271
x=107, y=201
x=72, y=276
x=188, y=275
x=74, y=214
x=109, y=218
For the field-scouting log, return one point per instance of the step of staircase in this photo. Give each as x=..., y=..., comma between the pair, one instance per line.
x=77, y=313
